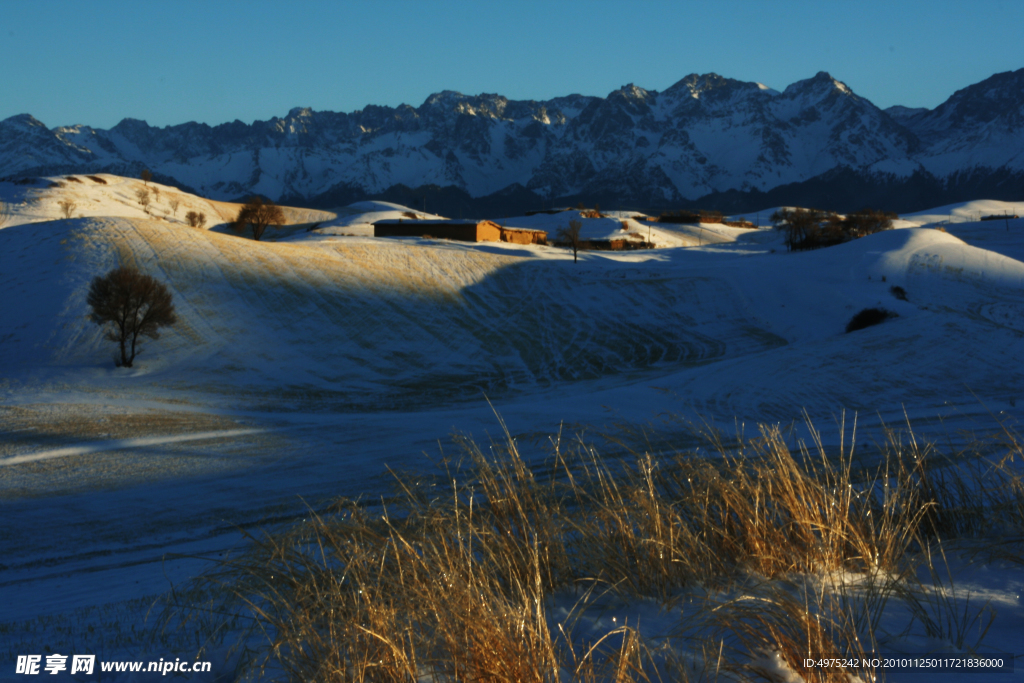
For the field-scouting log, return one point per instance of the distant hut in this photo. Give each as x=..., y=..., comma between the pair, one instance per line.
x=463, y=230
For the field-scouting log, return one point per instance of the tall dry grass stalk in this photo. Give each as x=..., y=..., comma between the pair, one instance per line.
x=452, y=578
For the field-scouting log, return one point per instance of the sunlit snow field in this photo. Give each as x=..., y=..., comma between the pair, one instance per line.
x=304, y=366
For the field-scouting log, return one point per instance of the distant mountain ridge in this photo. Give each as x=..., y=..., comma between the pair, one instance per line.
x=706, y=138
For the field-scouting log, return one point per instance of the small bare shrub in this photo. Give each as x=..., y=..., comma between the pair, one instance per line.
x=868, y=317
x=67, y=207
x=143, y=197
x=898, y=292
x=195, y=219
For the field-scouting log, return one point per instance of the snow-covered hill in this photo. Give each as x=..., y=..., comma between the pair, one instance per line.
x=411, y=318
x=301, y=367
x=106, y=195
x=704, y=134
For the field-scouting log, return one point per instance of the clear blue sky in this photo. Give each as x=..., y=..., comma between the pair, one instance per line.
x=168, y=62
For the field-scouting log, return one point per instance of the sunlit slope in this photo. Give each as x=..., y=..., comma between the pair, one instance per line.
x=361, y=323
x=102, y=195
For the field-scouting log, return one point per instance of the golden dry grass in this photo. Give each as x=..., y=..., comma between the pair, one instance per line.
x=452, y=577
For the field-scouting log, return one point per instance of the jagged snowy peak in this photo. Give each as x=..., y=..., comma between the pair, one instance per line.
x=705, y=133
x=825, y=98
x=712, y=88
x=721, y=133
x=26, y=143
x=709, y=133
x=821, y=83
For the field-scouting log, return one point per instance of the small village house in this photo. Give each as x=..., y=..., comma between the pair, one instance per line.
x=463, y=230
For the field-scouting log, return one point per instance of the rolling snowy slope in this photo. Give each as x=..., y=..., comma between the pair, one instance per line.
x=320, y=322
x=373, y=324
x=302, y=366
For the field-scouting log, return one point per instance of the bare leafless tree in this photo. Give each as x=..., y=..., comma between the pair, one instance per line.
x=259, y=214
x=571, y=236
x=132, y=304
x=174, y=204
x=67, y=207
x=146, y=176
x=142, y=194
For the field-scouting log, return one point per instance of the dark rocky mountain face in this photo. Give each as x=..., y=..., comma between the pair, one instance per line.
x=705, y=139
x=992, y=108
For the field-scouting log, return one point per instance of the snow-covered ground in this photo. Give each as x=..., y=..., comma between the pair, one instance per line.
x=302, y=368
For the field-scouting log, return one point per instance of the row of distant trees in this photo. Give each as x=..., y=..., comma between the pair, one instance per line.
x=146, y=195
x=812, y=229
x=257, y=213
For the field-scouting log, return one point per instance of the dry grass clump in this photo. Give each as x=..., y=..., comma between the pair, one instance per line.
x=453, y=577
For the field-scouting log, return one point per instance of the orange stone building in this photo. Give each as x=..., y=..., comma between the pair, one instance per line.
x=464, y=230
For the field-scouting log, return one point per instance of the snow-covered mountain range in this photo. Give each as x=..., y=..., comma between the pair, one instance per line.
x=702, y=137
